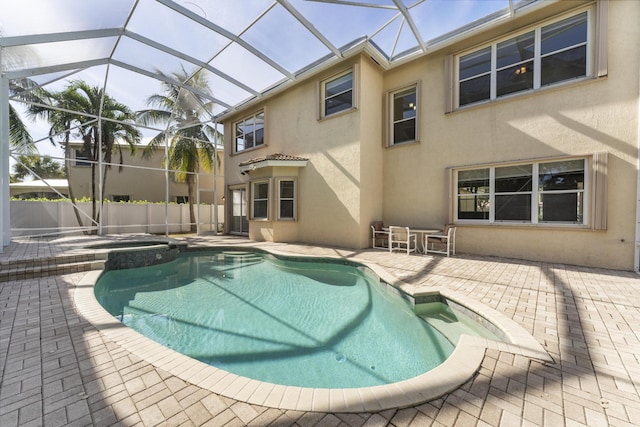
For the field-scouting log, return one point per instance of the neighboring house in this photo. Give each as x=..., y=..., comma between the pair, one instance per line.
x=523, y=133
x=48, y=188
x=138, y=180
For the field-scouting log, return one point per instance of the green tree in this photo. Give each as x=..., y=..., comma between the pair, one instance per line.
x=20, y=139
x=183, y=114
x=38, y=167
x=75, y=113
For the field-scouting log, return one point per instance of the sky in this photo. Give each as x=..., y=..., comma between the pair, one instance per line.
x=273, y=46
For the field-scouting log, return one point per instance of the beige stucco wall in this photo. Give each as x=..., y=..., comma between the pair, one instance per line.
x=144, y=184
x=351, y=179
x=337, y=190
x=597, y=115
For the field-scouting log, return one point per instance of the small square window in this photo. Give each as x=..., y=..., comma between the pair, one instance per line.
x=82, y=158
x=337, y=94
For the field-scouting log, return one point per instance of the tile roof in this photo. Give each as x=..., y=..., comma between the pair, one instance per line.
x=276, y=156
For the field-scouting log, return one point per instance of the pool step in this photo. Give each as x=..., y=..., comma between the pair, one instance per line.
x=22, y=269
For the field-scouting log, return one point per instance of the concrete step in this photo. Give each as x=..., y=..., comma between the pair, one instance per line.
x=43, y=267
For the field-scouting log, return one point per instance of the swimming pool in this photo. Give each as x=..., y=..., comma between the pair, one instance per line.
x=457, y=369
x=305, y=323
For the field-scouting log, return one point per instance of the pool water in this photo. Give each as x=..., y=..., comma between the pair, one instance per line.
x=293, y=322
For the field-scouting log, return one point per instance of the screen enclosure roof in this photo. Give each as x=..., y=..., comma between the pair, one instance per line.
x=244, y=48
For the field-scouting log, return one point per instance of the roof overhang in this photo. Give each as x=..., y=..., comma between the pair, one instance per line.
x=41, y=184
x=273, y=160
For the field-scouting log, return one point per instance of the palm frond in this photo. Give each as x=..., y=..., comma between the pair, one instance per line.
x=20, y=139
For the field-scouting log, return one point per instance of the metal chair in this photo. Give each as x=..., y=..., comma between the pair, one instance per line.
x=444, y=243
x=401, y=238
x=378, y=234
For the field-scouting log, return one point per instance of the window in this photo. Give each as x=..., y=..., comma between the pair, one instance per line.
x=82, y=158
x=249, y=132
x=121, y=198
x=507, y=194
x=260, y=200
x=337, y=94
x=182, y=200
x=473, y=194
x=403, y=107
x=546, y=55
x=286, y=199
x=513, y=192
x=561, y=188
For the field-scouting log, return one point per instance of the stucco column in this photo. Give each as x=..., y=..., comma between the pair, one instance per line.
x=4, y=163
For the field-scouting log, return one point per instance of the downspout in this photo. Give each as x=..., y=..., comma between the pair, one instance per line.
x=198, y=204
x=636, y=254
x=215, y=179
x=4, y=162
x=166, y=183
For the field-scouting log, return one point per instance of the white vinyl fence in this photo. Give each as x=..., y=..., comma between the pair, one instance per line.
x=31, y=218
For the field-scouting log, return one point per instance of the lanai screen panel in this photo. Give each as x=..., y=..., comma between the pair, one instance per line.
x=276, y=39
x=131, y=49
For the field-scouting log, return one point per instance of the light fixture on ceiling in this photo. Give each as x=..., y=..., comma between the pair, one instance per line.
x=521, y=70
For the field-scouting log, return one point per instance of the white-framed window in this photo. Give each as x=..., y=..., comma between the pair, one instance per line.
x=337, y=93
x=182, y=200
x=545, y=55
x=249, y=132
x=539, y=192
x=260, y=200
x=403, y=108
x=287, y=199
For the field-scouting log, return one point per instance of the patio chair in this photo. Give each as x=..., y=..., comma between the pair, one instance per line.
x=379, y=234
x=444, y=243
x=401, y=238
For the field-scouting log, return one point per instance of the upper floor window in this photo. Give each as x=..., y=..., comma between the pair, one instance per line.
x=249, y=132
x=337, y=94
x=403, y=108
x=543, y=56
x=538, y=192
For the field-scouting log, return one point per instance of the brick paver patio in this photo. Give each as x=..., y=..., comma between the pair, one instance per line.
x=57, y=369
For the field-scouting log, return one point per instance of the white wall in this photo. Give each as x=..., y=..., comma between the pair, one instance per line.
x=30, y=218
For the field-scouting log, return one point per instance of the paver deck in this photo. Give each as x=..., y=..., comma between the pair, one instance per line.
x=57, y=369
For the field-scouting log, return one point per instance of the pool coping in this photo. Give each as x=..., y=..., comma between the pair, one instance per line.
x=456, y=370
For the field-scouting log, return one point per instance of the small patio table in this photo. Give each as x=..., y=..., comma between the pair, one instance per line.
x=421, y=232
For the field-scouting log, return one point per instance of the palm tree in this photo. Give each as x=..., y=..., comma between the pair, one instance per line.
x=61, y=122
x=76, y=107
x=191, y=141
x=43, y=167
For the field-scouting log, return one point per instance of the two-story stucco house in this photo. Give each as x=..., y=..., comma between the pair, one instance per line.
x=141, y=178
x=523, y=133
